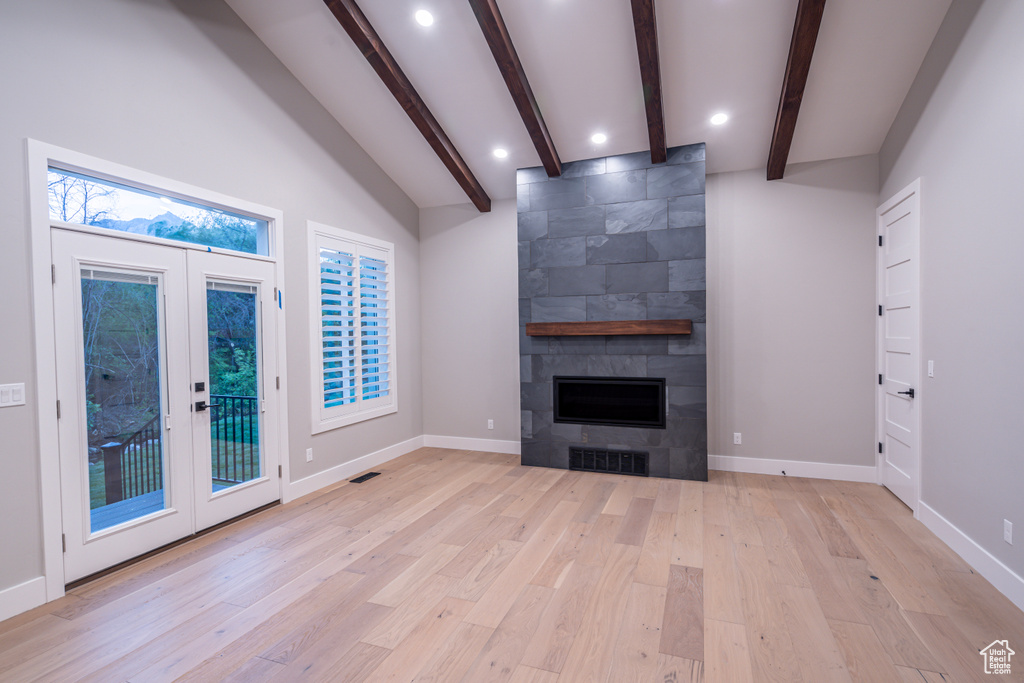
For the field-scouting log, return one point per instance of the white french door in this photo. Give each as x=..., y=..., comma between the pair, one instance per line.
x=899, y=419
x=168, y=424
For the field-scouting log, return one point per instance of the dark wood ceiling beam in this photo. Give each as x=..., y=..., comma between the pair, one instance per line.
x=498, y=39
x=646, y=27
x=377, y=54
x=801, y=49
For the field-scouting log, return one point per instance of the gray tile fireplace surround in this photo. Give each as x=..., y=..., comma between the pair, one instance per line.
x=616, y=238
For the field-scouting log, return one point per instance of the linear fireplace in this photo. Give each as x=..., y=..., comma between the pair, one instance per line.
x=616, y=401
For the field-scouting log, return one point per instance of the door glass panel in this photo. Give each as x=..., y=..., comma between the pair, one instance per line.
x=121, y=335
x=231, y=314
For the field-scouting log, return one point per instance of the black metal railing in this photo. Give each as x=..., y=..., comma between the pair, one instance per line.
x=134, y=467
x=234, y=438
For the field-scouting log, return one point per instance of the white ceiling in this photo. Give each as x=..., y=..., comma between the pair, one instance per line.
x=580, y=57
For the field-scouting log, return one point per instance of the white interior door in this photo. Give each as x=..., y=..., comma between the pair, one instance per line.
x=236, y=462
x=899, y=419
x=166, y=364
x=125, y=429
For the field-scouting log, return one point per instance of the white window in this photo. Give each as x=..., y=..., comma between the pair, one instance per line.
x=352, y=313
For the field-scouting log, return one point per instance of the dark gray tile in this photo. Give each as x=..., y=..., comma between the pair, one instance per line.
x=546, y=366
x=565, y=251
x=576, y=280
x=617, y=307
x=690, y=344
x=535, y=396
x=640, y=344
x=670, y=181
x=524, y=254
x=563, y=434
x=533, y=225
x=658, y=462
x=617, y=366
x=627, y=186
x=535, y=174
x=533, y=282
x=686, y=276
x=606, y=436
x=525, y=368
x=638, y=277
x=686, y=154
x=679, y=371
x=540, y=422
x=558, y=193
x=577, y=169
x=524, y=310
x=632, y=248
x=687, y=212
x=688, y=402
x=535, y=454
x=558, y=309
x=558, y=456
x=522, y=198
x=676, y=306
x=688, y=433
x=583, y=220
x=530, y=345
x=638, y=216
x=673, y=245
x=577, y=345
x=688, y=463
x=525, y=424
x=628, y=162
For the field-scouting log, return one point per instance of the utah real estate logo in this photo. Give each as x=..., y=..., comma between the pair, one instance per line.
x=997, y=657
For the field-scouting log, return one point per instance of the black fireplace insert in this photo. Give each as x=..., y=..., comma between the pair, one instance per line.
x=618, y=401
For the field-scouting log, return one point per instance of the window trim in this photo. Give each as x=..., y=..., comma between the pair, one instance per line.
x=324, y=419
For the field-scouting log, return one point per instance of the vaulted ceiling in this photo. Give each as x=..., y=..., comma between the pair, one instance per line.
x=581, y=61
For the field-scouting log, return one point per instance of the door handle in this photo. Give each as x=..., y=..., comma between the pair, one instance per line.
x=203, y=405
x=909, y=392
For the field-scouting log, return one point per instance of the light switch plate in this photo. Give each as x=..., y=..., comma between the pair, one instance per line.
x=12, y=395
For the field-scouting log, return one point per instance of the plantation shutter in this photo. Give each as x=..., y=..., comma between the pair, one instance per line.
x=356, y=345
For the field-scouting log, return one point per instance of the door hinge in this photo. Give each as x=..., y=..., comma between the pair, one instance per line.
x=879, y=240
x=53, y=274
x=879, y=378
x=279, y=472
x=880, y=309
x=63, y=543
x=879, y=446
x=278, y=382
x=58, y=408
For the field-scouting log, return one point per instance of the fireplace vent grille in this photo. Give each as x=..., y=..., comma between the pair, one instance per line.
x=604, y=460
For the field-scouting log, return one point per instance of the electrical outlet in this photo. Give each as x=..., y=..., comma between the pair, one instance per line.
x=490, y=424
x=737, y=438
x=309, y=455
x=931, y=368
x=1008, y=531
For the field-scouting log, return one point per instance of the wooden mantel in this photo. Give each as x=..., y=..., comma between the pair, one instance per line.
x=612, y=327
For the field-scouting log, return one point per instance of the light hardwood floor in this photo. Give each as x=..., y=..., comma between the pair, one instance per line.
x=464, y=566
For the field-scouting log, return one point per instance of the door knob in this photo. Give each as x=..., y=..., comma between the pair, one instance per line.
x=909, y=392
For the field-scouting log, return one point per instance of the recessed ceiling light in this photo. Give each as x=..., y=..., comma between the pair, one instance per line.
x=719, y=118
x=424, y=18
x=598, y=138
x=500, y=153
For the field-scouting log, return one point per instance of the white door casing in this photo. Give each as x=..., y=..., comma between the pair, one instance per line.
x=899, y=345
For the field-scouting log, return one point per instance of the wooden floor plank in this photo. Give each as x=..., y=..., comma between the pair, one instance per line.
x=463, y=565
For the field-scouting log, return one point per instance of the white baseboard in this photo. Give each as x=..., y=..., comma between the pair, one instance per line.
x=462, y=443
x=793, y=468
x=329, y=477
x=1006, y=581
x=23, y=597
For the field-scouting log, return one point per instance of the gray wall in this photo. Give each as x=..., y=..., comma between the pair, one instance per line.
x=182, y=88
x=791, y=301
x=468, y=302
x=967, y=146
x=615, y=238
